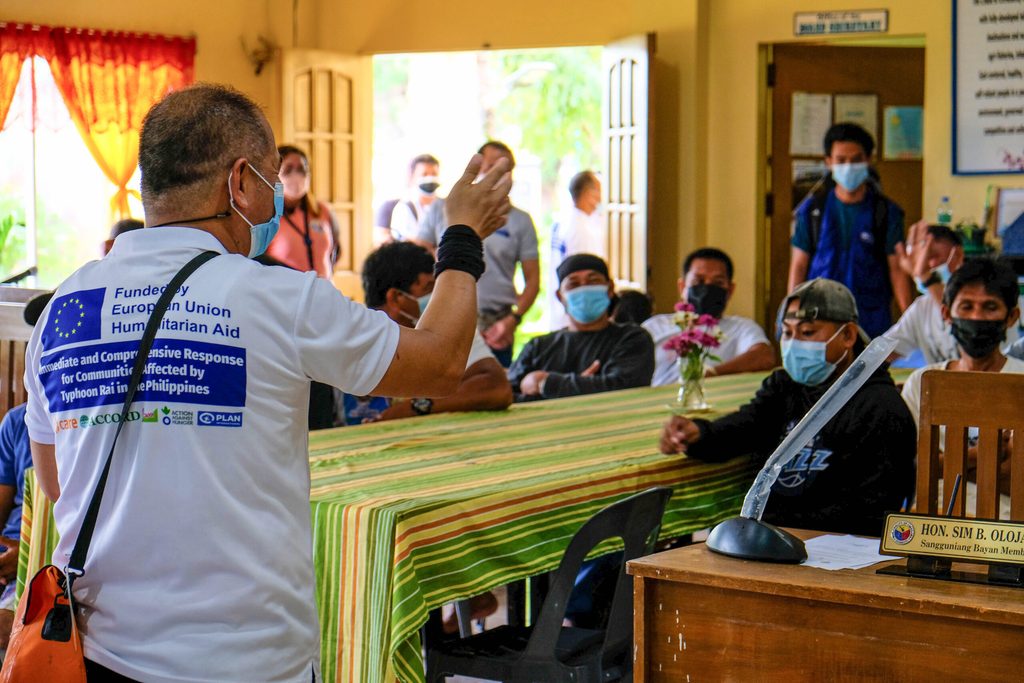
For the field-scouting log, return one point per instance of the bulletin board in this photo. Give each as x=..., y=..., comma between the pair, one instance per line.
x=988, y=87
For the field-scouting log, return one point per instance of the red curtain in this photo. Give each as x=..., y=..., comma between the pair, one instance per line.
x=108, y=81
x=16, y=44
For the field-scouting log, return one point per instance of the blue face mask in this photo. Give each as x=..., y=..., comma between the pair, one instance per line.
x=850, y=176
x=943, y=272
x=805, y=360
x=588, y=303
x=262, y=233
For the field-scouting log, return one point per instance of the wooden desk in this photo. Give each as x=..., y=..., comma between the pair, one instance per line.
x=704, y=617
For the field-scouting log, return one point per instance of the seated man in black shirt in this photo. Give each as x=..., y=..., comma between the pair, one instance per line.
x=860, y=466
x=593, y=354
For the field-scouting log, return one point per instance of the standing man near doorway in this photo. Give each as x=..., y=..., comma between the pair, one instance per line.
x=501, y=308
x=849, y=232
x=580, y=230
x=398, y=219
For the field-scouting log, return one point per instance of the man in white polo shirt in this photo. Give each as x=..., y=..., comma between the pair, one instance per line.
x=201, y=567
x=707, y=283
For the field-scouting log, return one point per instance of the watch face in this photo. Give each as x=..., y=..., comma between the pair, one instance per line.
x=422, y=406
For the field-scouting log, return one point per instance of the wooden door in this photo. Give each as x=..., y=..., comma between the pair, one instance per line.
x=626, y=122
x=895, y=75
x=326, y=110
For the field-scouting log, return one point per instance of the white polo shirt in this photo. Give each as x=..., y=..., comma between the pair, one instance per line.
x=201, y=565
x=739, y=336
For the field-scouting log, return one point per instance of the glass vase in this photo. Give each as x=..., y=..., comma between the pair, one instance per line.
x=690, y=398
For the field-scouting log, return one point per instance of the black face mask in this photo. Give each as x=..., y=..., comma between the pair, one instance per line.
x=979, y=338
x=709, y=299
x=429, y=188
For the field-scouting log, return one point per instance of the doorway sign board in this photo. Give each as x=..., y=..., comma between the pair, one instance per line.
x=988, y=88
x=831, y=23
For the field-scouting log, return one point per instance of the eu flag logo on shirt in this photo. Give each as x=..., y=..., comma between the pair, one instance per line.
x=74, y=317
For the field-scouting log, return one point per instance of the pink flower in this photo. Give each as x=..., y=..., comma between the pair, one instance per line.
x=685, y=306
x=707, y=320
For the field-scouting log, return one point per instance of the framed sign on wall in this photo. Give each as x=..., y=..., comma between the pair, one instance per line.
x=988, y=87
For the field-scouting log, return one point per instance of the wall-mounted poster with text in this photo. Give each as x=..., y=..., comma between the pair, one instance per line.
x=988, y=86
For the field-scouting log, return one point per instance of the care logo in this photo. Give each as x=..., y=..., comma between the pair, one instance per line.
x=903, y=532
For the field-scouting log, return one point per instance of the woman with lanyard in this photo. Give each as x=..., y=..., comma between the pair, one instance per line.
x=308, y=237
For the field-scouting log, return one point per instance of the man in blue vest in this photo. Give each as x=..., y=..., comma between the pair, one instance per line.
x=849, y=232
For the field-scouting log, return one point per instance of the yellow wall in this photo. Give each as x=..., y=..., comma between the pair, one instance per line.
x=218, y=25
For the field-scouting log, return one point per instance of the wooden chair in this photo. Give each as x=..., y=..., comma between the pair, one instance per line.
x=14, y=335
x=994, y=403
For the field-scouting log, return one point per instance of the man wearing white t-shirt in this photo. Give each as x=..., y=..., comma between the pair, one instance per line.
x=707, y=284
x=200, y=568
x=580, y=230
x=398, y=279
x=979, y=304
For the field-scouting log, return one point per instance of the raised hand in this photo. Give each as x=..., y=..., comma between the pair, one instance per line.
x=483, y=205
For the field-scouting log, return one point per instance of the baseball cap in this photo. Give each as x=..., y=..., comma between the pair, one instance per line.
x=823, y=299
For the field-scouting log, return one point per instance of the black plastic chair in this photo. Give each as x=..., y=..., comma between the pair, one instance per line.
x=549, y=652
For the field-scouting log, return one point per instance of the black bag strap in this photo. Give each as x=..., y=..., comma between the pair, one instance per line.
x=76, y=564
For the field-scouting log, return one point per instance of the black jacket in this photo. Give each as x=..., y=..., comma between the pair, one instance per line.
x=860, y=466
x=626, y=353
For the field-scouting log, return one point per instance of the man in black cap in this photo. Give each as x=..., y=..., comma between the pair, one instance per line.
x=593, y=354
x=859, y=466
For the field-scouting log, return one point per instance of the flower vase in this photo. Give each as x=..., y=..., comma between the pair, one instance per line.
x=690, y=398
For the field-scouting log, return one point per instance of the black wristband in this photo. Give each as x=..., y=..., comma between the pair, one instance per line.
x=460, y=249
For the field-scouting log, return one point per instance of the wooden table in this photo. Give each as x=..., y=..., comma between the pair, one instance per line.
x=705, y=617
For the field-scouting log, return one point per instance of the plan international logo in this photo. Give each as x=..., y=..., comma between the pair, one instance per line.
x=74, y=317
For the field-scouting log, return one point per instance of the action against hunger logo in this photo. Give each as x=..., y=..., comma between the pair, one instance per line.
x=74, y=317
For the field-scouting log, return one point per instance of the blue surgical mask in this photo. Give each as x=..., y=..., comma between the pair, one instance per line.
x=805, y=360
x=850, y=176
x=588, y=303
x=942, y=271
x=261, y=234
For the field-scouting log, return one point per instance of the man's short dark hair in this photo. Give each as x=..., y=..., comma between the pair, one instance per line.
x=501, y=147
x=395, y=265
x=944, y=233
x=709, y=253
x=997, y=277
x=631, y=306
x=429, y=159
x=125, y=225
x=580, y=183
x=194, y=135
x=849, y=132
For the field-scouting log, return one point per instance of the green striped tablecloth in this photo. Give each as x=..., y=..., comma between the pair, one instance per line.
x=411, y=514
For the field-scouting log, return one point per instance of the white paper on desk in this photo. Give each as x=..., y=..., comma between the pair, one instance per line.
x=843, y=552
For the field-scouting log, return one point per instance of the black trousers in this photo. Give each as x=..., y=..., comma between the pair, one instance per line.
x=94, y=673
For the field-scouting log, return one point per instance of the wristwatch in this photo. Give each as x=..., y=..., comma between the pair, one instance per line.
x=422, y=406
x=515, y=315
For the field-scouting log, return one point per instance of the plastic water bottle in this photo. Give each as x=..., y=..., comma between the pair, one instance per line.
x=945, y=212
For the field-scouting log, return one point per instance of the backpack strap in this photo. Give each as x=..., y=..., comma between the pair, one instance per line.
x=76, y=564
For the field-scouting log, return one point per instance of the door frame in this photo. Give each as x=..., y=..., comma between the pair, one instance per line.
x=764, y=185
